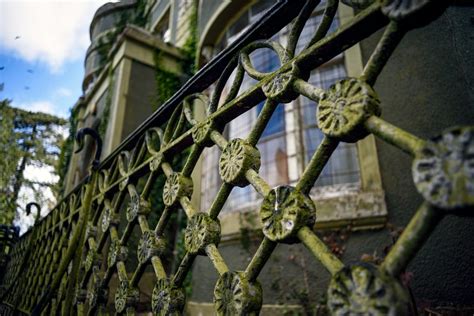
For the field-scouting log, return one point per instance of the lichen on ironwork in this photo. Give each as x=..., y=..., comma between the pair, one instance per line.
x=358, y=4
x=117, y=252
x=202, y=133
x=234, y=294
x=150, y=245
x=200, y=232
x=443, y=170
x=236, y=159
x=92, y=259
x=284, y=211
x=167, y=299
x=176, y=187
x=280, y=87
x=108, y=218
x=126, y=296
x=413, y=12
x=344, y=108
x=97, y=294
x=137, y=205
x=155, y=163
x=361, y=289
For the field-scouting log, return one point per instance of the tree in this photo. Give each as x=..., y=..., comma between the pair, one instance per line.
x=27, y=139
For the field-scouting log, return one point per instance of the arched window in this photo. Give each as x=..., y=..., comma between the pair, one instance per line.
x=291, y=136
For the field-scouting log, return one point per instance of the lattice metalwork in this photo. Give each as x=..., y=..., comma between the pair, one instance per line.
x=67, y=262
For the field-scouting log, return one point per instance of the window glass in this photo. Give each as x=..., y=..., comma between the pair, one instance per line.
x=343, y=165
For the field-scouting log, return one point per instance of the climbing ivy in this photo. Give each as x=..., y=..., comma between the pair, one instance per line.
x=189, y=49
x=66, y=152
x=167, y=82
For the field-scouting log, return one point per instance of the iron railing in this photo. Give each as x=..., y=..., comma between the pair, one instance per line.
x=65, y=263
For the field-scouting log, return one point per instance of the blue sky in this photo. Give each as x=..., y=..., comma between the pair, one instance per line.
x=42, y=49
x=31, y=85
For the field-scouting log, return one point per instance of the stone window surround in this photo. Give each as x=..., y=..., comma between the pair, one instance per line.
x=360, y=206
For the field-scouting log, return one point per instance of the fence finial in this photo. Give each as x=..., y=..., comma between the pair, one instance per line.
x=38, y=210
x=80, y=141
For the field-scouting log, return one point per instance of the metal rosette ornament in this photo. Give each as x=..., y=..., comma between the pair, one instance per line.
x=93, y=259
x=358, y=4
x=234, y=294
x=362, y=289
x=443, y=170
x=126, y=297
x=117, y=252
x=97, y=293
x=201, y=231
x=414, y=13
x=137, y=205
x=345, y=107
x=236, y=159
x=167, y=299
x=284, y=211
x=149, y=246
x=109, y=218
x=278, y=87
x=202, y=133
x=176, y=187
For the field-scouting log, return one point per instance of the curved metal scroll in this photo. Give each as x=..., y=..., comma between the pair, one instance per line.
x=38, y=210
x=81, y=134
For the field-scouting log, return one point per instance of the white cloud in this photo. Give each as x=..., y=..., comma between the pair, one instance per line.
x=49, y=31
x=46, y=198
x=63, y=92
x=44, y=106
x=38, y=106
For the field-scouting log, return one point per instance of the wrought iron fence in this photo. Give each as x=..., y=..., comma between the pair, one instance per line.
x=66, y=262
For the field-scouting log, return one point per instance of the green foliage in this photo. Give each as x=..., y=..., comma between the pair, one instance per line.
x=66, y=153
x=102, y=129
x=26, y=139
x=167, y=83
x=190, y=46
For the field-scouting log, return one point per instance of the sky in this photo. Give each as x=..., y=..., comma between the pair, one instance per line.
x=42, y=49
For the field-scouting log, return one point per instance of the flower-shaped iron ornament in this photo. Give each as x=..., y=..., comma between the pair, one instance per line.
x=117, y=252
x=97, y=294
x=109, y=218
x=125, y=296
x=358, y=4
x=137, y=205
x=344, y=108
x=284, y=211
x=237, y=158
x=443, y=170
x=202, y=133
x=167, y=299
x=150, y=245
x=155, y=163
x=92, y=259
x=414, y=13
x=200, y=232
x=234, y=294
x=176, y=187
x=361, y=289
x=280, y=87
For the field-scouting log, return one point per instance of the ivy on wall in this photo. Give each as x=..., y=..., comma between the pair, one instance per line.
x=66, y=152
